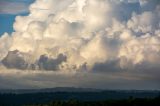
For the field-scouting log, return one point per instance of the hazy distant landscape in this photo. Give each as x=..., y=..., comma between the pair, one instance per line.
x=76, y=97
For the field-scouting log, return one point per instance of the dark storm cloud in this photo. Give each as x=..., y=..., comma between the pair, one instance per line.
x=46, y=63
x=111, y=66
x=14, y=60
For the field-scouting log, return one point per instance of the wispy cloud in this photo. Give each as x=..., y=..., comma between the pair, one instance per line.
x=8, y=7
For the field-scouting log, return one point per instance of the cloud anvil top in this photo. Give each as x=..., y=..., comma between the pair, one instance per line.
x=109, y=42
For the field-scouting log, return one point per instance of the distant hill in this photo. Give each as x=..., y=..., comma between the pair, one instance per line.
x=51, y=90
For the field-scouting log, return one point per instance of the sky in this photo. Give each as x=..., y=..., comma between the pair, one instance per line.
x=9, y=9
x=105, y=44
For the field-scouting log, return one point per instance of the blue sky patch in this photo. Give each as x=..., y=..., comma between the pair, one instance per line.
x=9, y=10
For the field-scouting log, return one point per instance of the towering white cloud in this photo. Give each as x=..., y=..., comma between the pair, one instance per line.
x=86, y=33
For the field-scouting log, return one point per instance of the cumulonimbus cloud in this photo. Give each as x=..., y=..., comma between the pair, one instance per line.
x=121, y=36
x=80, y=31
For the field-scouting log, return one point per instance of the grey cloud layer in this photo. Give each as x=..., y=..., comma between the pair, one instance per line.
x=108, y=36
x=7, y=7
x=42, y=79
